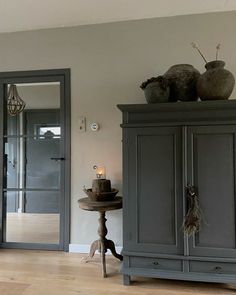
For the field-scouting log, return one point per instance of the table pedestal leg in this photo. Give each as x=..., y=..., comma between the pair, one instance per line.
x=102, y=245
x=93, y=248
x=111, y=246
x=102, y=231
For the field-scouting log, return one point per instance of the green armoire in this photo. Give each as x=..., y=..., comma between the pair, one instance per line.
x=167, y=147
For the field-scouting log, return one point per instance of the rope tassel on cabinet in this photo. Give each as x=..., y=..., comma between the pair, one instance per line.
x=192, y=221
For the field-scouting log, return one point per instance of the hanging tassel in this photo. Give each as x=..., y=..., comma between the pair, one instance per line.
x=193, y=217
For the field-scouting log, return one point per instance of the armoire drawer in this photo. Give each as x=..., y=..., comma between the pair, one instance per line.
x=212, y=267
x=156, y=263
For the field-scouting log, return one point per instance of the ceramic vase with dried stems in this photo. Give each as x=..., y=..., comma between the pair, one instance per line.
x=216, y=83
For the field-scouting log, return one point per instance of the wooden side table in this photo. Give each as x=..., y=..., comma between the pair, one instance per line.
x=102, y=244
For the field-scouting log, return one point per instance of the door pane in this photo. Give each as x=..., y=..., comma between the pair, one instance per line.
x=41, y=98
x=32, y=162
x=41, y=201
x=28, y=220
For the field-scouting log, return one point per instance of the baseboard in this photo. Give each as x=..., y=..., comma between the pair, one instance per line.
x=80, y=248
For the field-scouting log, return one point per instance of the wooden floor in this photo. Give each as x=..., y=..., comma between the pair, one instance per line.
x=33, y=228
x=24, y=272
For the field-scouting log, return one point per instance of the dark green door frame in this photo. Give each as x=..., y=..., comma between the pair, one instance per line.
x=40, y=76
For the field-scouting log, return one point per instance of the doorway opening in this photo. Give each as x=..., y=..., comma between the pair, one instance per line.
x=35, y=148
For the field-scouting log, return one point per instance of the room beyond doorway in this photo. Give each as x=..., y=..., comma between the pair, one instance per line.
x=35, y=180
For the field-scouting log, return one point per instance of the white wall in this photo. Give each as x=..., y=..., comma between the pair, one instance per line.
x=108, y=62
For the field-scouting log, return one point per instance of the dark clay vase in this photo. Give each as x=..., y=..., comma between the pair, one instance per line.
x=183, y=81
x=156, y=90
x=216, y=83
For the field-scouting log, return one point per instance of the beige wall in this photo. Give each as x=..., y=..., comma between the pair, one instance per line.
x=108, y=62
x=43, y=96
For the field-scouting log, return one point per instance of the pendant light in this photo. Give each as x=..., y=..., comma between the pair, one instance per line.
x=15, y=104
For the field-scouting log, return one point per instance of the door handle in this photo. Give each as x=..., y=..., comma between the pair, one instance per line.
x=58, y=159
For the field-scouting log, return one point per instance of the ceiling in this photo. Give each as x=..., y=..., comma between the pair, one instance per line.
x=22, y=15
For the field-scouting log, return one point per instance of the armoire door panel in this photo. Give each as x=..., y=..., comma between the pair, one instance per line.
x=156, y=189
x=155, y=186
x=211, y=169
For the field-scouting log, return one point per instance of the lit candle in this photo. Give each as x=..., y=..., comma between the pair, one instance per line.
x=100, y=172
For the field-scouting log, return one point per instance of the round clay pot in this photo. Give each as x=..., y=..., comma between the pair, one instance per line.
x=158, y=91
x=182, y=79
x=216, y=83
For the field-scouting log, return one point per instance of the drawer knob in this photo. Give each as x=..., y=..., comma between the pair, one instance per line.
x=155, y=263
x=217, y=269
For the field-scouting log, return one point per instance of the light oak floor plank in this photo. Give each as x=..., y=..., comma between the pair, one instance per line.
x=12, y=288
x=24, y=272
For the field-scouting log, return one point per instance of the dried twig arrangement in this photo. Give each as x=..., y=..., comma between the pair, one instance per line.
x=199, y=51
x=217, y=50
x=193, y=217
x=194, y=45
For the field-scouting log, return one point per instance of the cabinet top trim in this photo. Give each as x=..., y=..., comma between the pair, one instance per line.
x=174, y=106
x=184, y=112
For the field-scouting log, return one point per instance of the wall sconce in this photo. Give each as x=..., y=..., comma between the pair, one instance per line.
x=15, y=104
x=100, y=171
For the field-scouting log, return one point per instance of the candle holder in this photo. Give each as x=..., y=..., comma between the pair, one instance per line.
x=101, y=187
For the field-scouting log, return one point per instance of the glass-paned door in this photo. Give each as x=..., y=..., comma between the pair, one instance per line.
x=33, y=176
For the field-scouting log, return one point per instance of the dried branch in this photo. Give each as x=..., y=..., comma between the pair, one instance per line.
x=194, y=45
x=217, y=50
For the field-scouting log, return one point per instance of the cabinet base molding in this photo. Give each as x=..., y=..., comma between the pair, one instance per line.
x=179, y=269
x=174, y=275
x=182, y=257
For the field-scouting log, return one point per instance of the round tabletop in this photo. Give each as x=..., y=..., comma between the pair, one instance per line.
x=87, y=204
